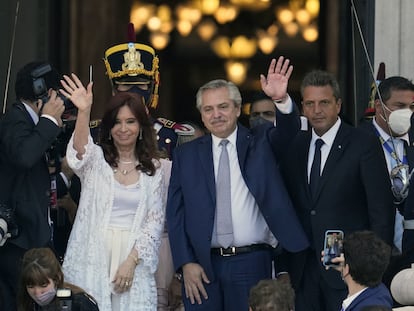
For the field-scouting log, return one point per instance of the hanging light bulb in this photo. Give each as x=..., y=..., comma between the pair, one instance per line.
x=206, y=29
x=184, y=27
x=312, y=6
x=159, y=40
x=154, y=23
x=310, y=33
x=266, y=41
x=291, y=29
x=236, y=71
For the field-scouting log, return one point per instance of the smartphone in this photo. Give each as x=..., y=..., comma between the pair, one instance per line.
x=332, y=246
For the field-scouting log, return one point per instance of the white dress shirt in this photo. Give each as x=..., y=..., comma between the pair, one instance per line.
x=399, y=149
x=347, y=302
x=249, y=225
x=328, y=139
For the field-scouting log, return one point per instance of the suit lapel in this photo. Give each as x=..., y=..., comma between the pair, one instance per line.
x=303, y=153
x=242, y=144
x=410, y=149
x=205, y=155
x=337, y=150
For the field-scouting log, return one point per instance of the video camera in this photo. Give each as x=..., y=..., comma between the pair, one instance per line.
x=41, y=90
x=8, y=226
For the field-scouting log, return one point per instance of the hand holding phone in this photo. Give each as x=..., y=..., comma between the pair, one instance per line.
x=332, y=247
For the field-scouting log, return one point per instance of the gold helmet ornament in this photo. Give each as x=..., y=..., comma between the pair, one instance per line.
x=134, y=64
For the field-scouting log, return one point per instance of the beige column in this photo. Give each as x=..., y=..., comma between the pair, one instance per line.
x=394, y=41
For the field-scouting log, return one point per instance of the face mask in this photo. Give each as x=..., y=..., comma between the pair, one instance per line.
x=399, y=120
x=144, y=93
x=45, y=298
x=258, y=121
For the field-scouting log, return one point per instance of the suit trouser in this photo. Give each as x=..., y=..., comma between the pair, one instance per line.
x=235, y=275
x=314, y=293
x=10, y=267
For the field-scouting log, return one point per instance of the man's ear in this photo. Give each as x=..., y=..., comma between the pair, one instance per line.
x=377, y=105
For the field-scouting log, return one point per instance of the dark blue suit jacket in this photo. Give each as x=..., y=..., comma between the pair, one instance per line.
x=354, y=193
x=372, y=296
x=192, y=195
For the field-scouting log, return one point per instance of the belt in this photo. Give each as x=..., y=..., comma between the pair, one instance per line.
x=232, y=251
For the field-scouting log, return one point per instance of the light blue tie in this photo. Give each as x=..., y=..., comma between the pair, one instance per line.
x=223, y=200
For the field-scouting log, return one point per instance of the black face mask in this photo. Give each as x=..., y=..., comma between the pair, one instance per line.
x=258, y=121
x=144, y=93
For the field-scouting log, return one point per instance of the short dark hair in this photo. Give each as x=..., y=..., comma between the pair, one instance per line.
x=321, y=78
x=24, y=81
x=367, y=257
x=395, y=83
x=258, y=96
x=272, y=295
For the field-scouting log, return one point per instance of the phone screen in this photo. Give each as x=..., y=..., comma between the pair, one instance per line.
x=332, y=246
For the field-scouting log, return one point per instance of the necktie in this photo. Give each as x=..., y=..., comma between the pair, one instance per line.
x=315, y=173
x=223, y=199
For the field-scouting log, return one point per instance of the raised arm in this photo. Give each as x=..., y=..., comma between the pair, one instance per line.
x=275, y=83
x=82, y=98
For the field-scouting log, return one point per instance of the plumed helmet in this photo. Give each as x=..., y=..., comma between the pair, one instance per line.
x=134, y=63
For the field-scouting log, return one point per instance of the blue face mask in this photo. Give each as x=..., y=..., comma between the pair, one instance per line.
x=144, y=93
x=45, y=298
x=258, y=121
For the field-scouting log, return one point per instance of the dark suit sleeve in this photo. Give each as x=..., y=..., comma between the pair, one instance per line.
x=287, y=126
x=180, y=247
x=24, y=142
x=374, y=174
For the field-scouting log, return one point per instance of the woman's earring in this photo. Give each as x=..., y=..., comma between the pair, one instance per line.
x=109, y=136
x=140, y=134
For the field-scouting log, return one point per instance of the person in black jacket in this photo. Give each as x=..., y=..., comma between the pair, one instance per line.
x=28, y=129
x=42, y=285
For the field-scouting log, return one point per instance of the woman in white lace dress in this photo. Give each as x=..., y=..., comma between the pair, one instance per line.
x=113, y=248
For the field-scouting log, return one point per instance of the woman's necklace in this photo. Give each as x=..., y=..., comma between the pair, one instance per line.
x=124, y=171
x=126, y=162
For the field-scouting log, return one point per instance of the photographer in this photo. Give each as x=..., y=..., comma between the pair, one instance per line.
x=42, y=285
x=28, y=129
x=362, y=265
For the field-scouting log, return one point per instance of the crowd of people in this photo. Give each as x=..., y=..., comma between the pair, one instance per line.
x=167, y=216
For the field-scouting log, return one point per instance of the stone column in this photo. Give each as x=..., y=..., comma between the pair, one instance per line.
x=394, y=42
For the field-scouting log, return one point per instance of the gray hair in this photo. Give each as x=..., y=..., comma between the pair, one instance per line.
x=321, y=78
x=234, y=92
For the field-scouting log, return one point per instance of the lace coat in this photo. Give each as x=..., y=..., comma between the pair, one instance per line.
x=85, y=262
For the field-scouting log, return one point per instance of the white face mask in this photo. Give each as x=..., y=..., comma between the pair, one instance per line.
x=399, y=120
x=45, y=298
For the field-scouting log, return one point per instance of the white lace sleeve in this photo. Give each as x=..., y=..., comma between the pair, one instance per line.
x=81, y=166
x=149, y=237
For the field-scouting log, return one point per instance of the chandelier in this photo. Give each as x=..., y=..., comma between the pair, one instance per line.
x=208, y=19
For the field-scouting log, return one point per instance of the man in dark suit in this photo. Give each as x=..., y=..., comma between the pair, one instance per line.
x=218, y=273
x=346, y=188
x=392, y=126
x=28, y=130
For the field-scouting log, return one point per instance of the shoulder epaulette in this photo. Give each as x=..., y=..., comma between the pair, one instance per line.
x=179, y=128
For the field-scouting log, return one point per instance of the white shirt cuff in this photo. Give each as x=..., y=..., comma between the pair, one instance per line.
x=47, y=116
